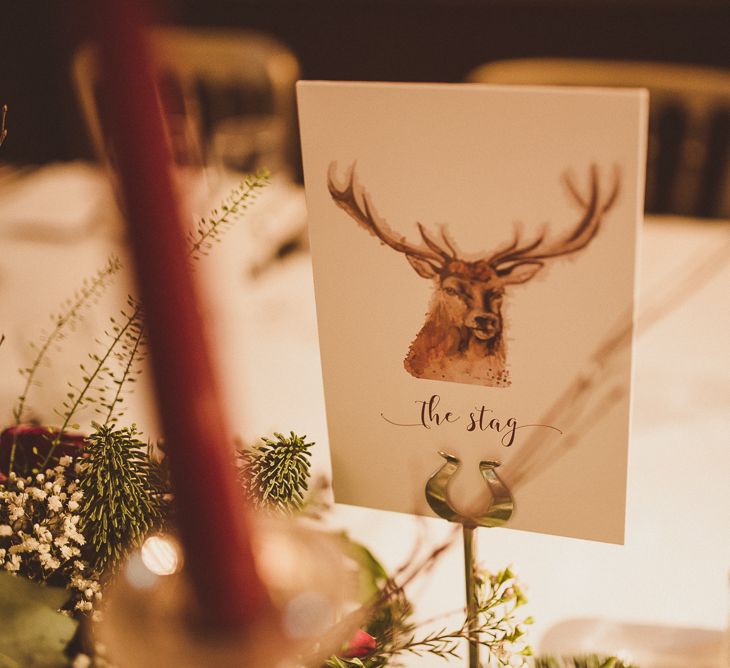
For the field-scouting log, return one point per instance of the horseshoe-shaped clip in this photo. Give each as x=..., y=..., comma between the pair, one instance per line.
x=496, y=514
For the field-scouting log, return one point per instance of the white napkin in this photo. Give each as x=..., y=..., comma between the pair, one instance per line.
x=56, y=203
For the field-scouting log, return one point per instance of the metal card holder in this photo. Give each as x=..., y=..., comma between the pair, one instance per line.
x=497, y=513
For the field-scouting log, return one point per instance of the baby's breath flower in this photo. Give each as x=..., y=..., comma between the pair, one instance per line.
x=39, y=532
x=84, y=606
x=48, y=562
x=65, y=462
x=54, y=503
x=37, y=494
x=43, y=533
x=77, y=538
x=67, y=551
x=31, y=544
x=13, y=563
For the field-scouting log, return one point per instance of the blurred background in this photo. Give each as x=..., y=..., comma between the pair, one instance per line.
x=404, y=40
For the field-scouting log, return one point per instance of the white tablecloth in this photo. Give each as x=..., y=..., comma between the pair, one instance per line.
x=673, y=569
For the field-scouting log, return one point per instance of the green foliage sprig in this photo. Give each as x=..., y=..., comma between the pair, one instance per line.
x=129, y=356
x=105, y=380
x=126, y=338
x=275, y=473
x=122, y=497
x=71, y=313
x=498, y=629
x=211, y=229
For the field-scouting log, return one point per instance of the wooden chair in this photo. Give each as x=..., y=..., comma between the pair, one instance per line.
x=688, y=170
x=205, y=75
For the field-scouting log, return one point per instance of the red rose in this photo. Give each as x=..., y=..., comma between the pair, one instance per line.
x=361, y=645
x=33, y=445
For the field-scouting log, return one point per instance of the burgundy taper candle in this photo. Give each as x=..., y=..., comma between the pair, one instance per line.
x=213, y=529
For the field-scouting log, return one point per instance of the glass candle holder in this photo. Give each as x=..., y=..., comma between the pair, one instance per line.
x=153, y=620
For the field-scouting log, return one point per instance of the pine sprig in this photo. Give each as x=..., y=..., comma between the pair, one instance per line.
x=212, y=228
x=71, y=313
x=121, y=502
x=275, y=473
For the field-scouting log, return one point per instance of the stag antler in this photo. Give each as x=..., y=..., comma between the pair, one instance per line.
x=363, y=214
x=538, y=250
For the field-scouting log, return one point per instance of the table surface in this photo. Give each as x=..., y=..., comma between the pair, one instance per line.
x=58, y=225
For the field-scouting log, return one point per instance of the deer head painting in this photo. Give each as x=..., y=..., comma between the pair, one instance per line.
x=463, y=337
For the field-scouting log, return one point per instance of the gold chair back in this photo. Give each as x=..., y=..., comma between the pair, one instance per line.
x=688, y=171
x=205, y=75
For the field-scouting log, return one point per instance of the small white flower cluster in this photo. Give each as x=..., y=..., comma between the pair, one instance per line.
x=39, y=535
x=90, y=592
x=502, y=626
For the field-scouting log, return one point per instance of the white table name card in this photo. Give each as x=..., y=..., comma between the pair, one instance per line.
x=474, y=251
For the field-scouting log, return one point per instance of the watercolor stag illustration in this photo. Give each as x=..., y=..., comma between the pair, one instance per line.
x=462, y=339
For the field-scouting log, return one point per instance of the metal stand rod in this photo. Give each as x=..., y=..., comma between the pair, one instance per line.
x=496, y=514
x=470, y=566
